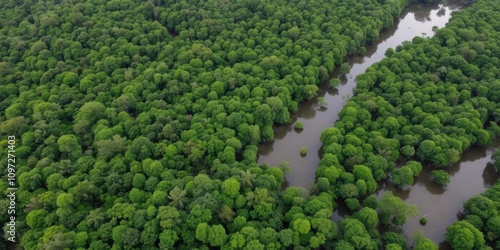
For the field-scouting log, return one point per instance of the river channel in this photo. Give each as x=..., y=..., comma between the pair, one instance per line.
x=416, y=20
x=441, y=206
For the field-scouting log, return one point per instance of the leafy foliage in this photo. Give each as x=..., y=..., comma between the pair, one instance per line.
x=423, y=105
x=132, y=116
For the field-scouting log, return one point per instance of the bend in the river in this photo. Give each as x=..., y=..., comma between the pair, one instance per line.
x=441, y=206
x=416, y=20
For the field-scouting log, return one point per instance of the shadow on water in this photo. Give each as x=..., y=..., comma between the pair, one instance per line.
x=490, y=176
x=415, y=20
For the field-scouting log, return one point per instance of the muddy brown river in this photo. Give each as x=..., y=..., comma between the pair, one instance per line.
x=416, y=20
x=441, y=206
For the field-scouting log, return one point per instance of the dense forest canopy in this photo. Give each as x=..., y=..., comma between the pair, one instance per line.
x=136, y=123
x=429, y=100
x=129, y=117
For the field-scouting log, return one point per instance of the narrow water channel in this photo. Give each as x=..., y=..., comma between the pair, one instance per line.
x=416, y=20
x=443, y=206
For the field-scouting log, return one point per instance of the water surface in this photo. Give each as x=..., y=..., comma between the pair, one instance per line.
x=416, y=20
x=443, y=206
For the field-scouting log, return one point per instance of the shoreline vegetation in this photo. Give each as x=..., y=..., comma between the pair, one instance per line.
x=415, y=105
x=130, y=116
